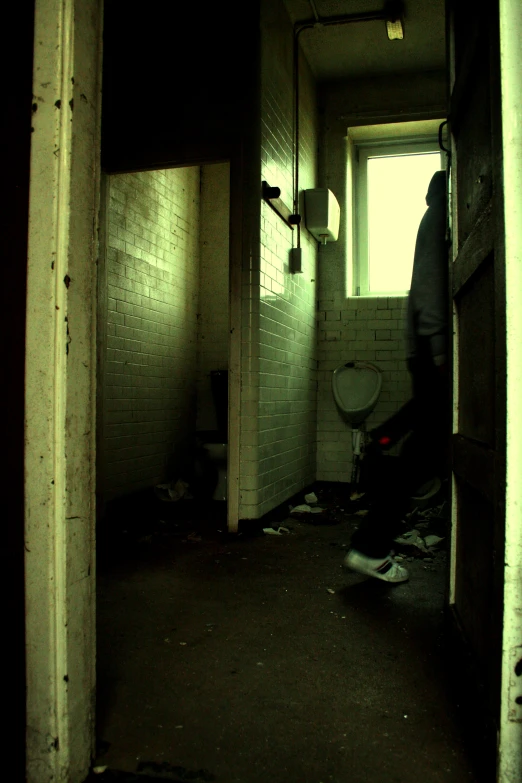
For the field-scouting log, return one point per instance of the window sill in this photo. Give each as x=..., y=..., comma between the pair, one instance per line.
x=385, y=295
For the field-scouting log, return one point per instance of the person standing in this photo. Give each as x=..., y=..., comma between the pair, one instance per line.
x=424, y=419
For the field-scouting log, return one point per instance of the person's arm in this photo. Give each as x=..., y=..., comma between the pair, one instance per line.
x=432, y=296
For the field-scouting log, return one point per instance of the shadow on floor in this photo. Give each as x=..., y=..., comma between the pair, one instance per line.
x=262, y=659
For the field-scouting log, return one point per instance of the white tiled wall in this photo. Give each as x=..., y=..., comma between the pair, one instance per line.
x=371, y=329
x=279, y=326
x=213, y=310
x=150, y=363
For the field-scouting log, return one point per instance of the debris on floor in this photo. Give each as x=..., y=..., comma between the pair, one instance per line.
x=424, y=536
x=140, y=524
x=414, y=545
x=306, y=509
x=302, y=509
x=192, y=538
x=427, y=491
x=431, y=541
x=432, y=514
x=171, y=493
x=151, y=771
x=412, y=538
x=170, y=772
x=310, y=498
x=275, y=531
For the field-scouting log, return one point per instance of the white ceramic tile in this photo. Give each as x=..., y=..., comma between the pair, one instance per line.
x=144, y=401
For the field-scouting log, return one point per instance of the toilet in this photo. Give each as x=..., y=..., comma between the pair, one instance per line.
x=218, y=455
x=356, y=388
x=215, y=442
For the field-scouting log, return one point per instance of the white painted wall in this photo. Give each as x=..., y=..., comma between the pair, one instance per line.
x=278, y=421
x=368, y=328
x=149, y=380
x=213, y=308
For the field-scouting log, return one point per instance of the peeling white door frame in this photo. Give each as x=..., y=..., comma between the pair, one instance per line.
x=60, y=390
x=454, y=218
x=234, y=345
x=510, y=739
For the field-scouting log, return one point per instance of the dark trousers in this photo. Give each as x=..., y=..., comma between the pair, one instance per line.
x=424, y=421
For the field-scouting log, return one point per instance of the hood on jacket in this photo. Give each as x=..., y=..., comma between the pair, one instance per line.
x=437, y=188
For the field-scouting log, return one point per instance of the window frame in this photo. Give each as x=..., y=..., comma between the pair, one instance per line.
x=387, y=147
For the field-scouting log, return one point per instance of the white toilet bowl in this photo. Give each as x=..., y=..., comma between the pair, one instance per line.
x=218, y=455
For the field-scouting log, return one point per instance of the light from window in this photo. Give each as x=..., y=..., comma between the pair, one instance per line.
x=397, y=187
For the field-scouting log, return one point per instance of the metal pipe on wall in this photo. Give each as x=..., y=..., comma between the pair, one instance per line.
x=314, y=10
x=300, y=27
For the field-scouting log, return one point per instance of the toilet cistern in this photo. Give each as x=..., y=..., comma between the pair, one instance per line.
x=322, y=214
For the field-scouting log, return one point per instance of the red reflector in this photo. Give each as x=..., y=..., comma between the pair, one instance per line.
x=385, y=440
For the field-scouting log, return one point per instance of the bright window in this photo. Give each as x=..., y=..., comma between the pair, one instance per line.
x=391, y=183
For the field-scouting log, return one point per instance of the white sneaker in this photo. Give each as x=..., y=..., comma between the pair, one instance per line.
x=387, y=570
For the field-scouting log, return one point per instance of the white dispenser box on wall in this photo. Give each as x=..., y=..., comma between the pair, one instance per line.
x=322, y=214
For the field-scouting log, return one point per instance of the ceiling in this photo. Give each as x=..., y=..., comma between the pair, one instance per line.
x=352, y=51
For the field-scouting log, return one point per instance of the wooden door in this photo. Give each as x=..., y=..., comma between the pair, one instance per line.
x=479, y=352
x=478, y=591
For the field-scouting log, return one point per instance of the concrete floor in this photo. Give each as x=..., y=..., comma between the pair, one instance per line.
x=237, y=660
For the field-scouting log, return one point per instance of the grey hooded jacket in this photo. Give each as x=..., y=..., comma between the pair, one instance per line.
x=427, y=300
